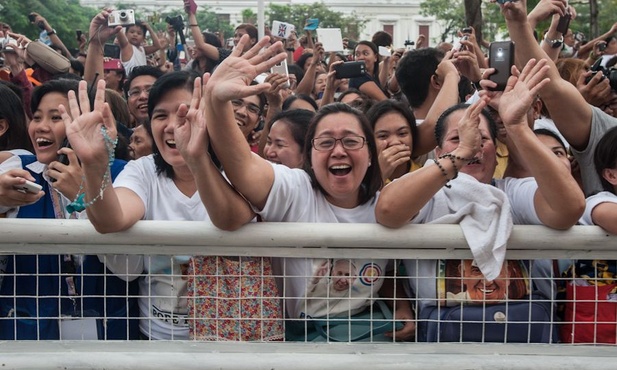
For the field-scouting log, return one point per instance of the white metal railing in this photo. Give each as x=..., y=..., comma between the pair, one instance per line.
x=29, y=236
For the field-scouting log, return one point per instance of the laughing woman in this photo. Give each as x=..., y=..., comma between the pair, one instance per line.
x=160, y=187
x=339, y=183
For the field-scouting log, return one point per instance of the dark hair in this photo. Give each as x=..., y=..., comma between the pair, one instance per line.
x=163, y=85
x=118, y=106
x=12, y=110
x=62, y=86
x=547, y=132
x=296, y=70
x=302, y=61
x=414, y=72
x=212, y=39
x=441, y=126
x=382, y=38
x=364, y=104
x=78, y=67
x=140, y=71
x=250, y=30
x=298, y=121
x=384, y=107
x=605, y=156
x=137, y=24
x=376, y=51
x=372, y=181
x=292, y=98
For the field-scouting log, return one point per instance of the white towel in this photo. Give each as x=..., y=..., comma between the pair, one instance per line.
x=483, y=212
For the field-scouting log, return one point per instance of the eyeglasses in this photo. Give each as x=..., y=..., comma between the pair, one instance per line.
x=250, y=107
x=137, y=91
x=352, y=142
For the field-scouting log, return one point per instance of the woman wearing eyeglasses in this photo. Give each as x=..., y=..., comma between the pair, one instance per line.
x=339, y=183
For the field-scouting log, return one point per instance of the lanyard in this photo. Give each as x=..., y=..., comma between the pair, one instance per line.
x=68, y=263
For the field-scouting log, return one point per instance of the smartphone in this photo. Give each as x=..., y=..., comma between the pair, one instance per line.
x=501, y=57
x=466, y=30
x=564, y=23
x=31, y=18
x=458, y=46
x=281, y=69
x=78, y=34
x=62, y=158
x=29, y=187
x=111, y=51
x=350, y=69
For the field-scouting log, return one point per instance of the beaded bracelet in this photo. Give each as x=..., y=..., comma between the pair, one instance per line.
x=444, y=172
x=452, y=157
x=78, y=204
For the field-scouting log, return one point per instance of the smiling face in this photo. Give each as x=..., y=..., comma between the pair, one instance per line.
x=162, y=122
x=46, y=130
x=481, y=289
x=138, y=97
x=392, y=129
x=482, y=171
x=247, y=113
x=340, y=171
x=281, y=147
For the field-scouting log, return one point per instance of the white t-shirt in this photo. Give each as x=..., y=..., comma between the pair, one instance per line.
x=592, y=202
x=317, y=287
x=163, y=291
x=423, y=274
x=138, y=59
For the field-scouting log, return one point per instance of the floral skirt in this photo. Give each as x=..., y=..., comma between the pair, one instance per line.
x=233, y=299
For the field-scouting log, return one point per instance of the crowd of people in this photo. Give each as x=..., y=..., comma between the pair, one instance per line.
x=422, y=135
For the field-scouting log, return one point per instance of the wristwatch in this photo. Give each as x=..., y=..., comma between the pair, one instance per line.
x=555, y=43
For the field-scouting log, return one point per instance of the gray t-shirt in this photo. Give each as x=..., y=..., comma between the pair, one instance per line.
x=600, y=123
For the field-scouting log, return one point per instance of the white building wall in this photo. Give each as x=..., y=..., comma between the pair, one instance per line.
x=404, y=15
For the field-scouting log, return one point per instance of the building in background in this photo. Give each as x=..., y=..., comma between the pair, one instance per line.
x=401, y=18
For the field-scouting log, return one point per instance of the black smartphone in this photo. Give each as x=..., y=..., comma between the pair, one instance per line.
x=111, y=51
x=63, y=158
x=350, y=69
x=501, y=57
x=31, y=18
x=78, y=34
x=564, y=23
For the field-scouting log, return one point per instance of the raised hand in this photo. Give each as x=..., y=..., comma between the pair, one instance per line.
x=232, y=78
x=470, y=138
x=190, y=130
x=84, y=128
x=521, y=90
x=99, y=30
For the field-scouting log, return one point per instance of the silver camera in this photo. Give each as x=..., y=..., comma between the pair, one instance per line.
x=124, y=17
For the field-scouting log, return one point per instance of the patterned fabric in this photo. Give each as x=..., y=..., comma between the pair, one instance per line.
x=233, y=299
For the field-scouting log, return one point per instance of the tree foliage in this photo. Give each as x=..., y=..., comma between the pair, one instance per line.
x=297, y=14
x=65, y=16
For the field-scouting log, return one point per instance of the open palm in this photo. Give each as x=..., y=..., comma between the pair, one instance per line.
x=84, y=128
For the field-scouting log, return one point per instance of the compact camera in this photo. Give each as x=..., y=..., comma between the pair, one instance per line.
x=125, y=17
